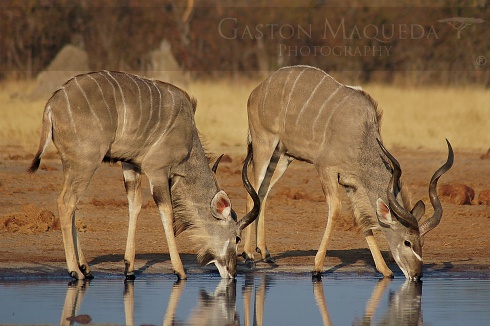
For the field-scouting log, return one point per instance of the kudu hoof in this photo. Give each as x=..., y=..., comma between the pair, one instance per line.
x=180, y=276
x=73, y=275
x=267, y=257
x=130, y=276
x=269, y=260
x=249, y=260
x=88, y=275
x=316, y=276
x=388, y=274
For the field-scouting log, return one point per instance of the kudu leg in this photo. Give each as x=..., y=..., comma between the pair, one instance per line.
x=161, y=194
x=132, y=183
x=262, y=156
x=378, y=258
x=282, y=165
x=330, y=187
x=76, y=181
x=267, y=169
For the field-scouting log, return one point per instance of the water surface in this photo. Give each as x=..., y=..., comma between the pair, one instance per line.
x=261, y=299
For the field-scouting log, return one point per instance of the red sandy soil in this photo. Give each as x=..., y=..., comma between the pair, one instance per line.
x=31, y=243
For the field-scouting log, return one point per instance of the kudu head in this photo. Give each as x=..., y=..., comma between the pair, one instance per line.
x=403, y=228
x=224, y=238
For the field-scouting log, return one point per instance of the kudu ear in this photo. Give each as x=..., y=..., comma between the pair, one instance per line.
x=418, y=210
x=221, y=206
x=384, y=214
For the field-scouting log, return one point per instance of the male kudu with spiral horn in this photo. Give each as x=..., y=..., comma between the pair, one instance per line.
x=303, y=113
x=149, y=127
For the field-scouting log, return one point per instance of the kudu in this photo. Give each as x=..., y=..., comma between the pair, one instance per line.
x=302, y=113
x=149, y=127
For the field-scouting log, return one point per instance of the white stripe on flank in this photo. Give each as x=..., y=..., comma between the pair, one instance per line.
x=157, y=123
x=140, y=101
x=264, y=96
x=283, y=95
x=289, y=98
x=125, y=118
x=115, y=101
x=284, y=85
x=324, y=138
x=320, y=111
x=298, y=117
x=169, y=122
x=69, y=112
x=159, y=102
x=151, y=104
x=89, y=105
x=103, y=97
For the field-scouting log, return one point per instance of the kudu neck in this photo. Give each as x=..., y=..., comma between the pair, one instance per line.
x=196, y=182
x=376, y=172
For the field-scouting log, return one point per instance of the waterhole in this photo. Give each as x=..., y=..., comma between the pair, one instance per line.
x=252, y=299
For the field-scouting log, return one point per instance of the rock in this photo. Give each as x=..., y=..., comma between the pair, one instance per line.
x=486, y=156
x=484, y=197
x=458, y=194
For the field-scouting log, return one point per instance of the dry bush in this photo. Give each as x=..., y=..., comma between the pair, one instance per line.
x=31, y=220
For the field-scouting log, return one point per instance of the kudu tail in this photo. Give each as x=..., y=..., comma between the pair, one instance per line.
x=46, y=135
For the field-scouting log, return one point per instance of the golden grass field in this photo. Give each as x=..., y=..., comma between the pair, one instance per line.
x=414, y=118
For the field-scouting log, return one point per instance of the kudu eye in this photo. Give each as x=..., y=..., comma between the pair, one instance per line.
x=407, y=243
x=238, y=240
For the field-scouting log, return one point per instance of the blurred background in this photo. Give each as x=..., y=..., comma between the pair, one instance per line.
x=425, y=62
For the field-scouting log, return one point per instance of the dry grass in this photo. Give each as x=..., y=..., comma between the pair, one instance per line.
x=20, y=119
x=413, y=117
x=221, y=114
x=423, y=117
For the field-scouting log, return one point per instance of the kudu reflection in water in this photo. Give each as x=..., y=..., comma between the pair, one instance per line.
x=404, y=306
x=219, y=307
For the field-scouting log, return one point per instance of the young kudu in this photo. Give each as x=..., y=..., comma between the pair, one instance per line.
x=302, y=113
x=149, y=127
